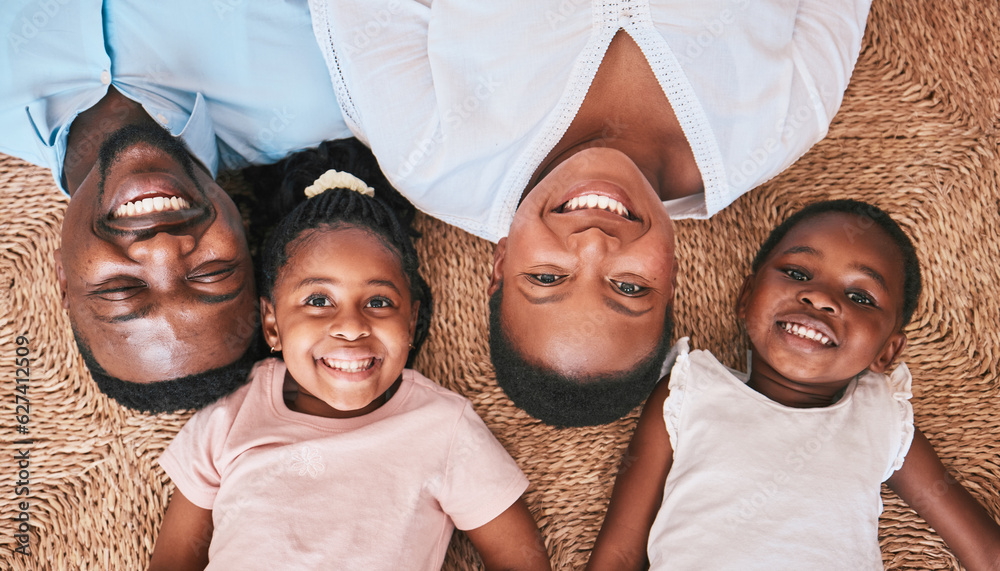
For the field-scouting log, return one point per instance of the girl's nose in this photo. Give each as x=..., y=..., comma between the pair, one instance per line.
x=350, y=325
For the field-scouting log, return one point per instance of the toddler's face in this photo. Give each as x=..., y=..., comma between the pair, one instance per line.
x=827, y=303
x=343, y=319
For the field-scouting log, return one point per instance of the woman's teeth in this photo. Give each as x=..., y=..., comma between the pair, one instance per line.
x=806, y=332
x=596, y=201
x=147, y=205
x=350, y=366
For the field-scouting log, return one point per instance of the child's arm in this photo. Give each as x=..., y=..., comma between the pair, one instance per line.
x=638, y=491
x=184, y=536
x=511, y=541
x=925, y=484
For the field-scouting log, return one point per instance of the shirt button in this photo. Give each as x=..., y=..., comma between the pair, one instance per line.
x=106, y=77
x=161, y=118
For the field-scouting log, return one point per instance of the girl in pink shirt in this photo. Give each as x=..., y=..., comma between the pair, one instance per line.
x=335, y=455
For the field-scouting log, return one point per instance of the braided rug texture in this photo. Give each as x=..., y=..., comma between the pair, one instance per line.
x=916, y=135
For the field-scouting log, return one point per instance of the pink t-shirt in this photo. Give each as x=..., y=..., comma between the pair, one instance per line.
x=380, y=491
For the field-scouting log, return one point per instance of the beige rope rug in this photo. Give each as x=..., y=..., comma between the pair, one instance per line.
x=916, y=135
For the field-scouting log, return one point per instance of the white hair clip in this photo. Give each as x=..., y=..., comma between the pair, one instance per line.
x=338, y=179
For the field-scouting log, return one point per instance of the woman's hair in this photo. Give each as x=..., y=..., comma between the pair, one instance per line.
x=387, y=215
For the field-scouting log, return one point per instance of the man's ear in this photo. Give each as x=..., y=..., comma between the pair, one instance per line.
x=496, y=277
x=744, y=296
x=892, y=348
x=269, y=322
x=61, y=276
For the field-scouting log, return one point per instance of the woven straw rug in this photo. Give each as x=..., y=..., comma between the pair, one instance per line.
x=916, y=135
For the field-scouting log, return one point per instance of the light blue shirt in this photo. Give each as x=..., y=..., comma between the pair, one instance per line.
x=240, y=81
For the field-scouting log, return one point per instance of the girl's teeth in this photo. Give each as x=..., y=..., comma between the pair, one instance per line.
x=349, y=366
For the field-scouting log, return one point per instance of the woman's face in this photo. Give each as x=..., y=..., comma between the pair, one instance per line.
x=588, y=267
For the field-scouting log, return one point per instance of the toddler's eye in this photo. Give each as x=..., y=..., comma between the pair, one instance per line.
x=861, y=298
x=628, y=288
x=795, y=274
x=318, y=301
x=379, y=303
x=545, y=279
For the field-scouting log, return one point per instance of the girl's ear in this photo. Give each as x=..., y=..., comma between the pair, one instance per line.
x=892, y=348
x=269, y=321
x=744, y=296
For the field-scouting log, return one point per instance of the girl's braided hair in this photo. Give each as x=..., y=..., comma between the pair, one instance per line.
x=387, y=215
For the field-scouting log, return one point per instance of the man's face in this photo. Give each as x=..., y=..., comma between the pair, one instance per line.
x=154, y=266
x=588, y=267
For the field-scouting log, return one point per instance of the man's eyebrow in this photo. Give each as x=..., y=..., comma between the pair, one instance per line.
x=223, y=298
x=619, y=308
x=137, y=314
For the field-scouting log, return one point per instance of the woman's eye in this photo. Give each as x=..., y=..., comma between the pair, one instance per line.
x=318, y=301
x=545, y=279
x=858, y=297
x=628, y=288
x=795, y=274
x=379, y=303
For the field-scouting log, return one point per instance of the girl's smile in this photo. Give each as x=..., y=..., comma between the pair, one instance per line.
x=343, y=318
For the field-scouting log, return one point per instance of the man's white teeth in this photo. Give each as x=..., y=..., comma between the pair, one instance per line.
x=350, y=366
x=147, y=205
x=803, y=331
x=596, y=201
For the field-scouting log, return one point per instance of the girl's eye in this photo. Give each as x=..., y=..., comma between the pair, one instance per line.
x=545, y=279
x=860, y=298
x=628, y=288
x=318, y=301
x=795, y=274
x=379, y=303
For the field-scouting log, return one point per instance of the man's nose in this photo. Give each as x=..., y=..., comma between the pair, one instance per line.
x=161, y=248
